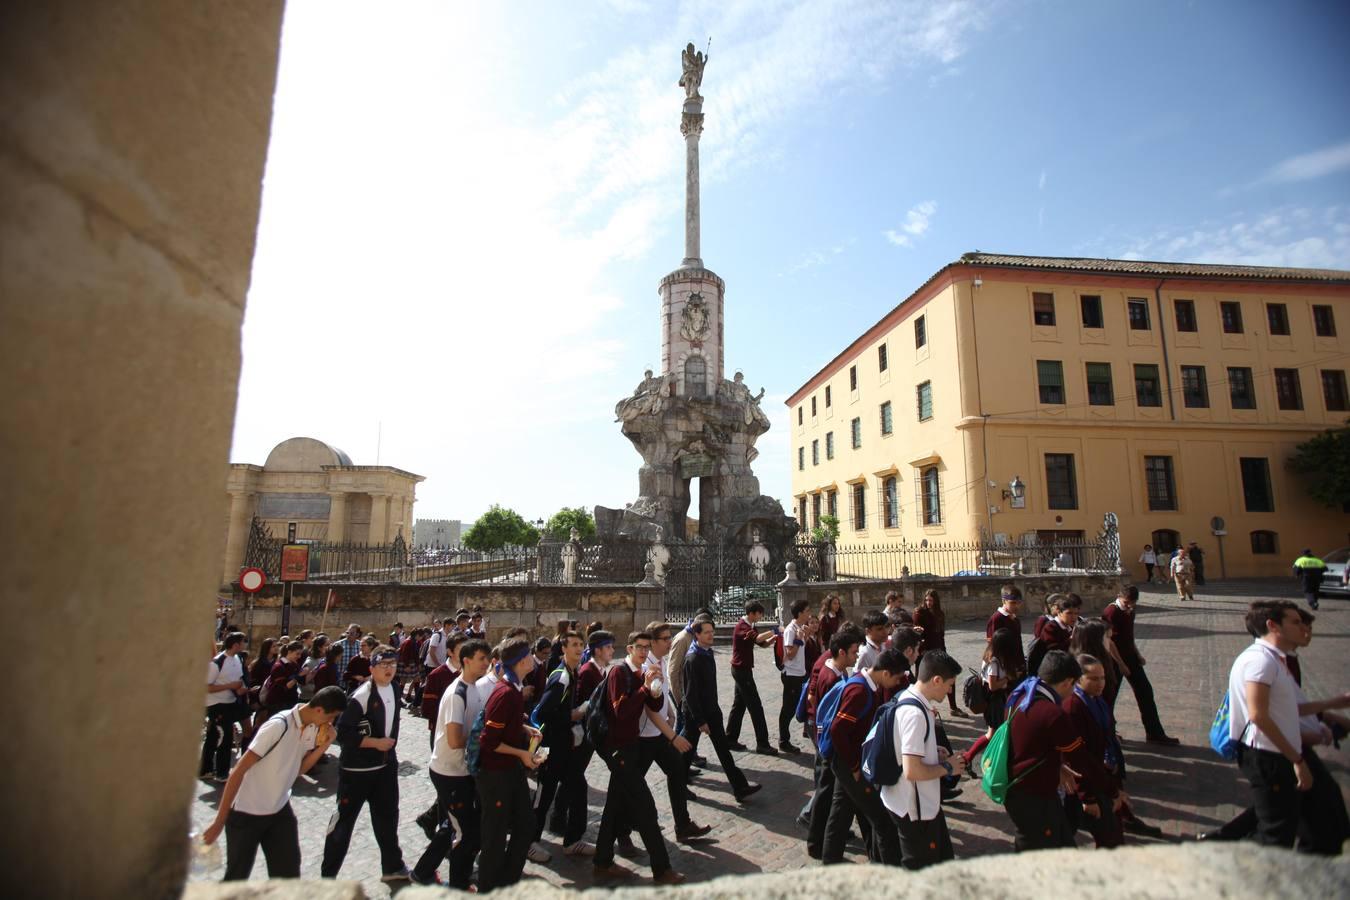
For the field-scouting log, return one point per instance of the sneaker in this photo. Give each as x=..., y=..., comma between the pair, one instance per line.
x=537, y=854
x=766, y=750
x=401, y=875
x=690, y=831
x=669, y=876
x=427, y=822
x=434, y=879
x=749, y=789
x=580, y=848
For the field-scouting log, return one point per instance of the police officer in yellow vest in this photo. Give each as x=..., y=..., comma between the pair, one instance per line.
x=1310, y=569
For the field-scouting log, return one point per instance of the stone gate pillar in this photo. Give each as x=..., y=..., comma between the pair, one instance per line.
x=131, y=163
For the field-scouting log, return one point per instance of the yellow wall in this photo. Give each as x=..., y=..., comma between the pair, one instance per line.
x=982, y=351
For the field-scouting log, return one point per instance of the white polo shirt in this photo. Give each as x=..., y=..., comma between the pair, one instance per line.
x=919, y=800
x=796, y=665
x=460, y=704
x=867, y=655
x=282, y=743
x=230, y=670
x=436, y=649
x=649, y=728
x=1265, y=664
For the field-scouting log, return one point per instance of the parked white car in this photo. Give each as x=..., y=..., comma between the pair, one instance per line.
x=1334, y=579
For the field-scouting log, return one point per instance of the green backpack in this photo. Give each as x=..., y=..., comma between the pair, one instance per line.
x=996, y=782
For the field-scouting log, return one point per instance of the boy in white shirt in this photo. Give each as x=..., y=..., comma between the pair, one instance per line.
x=794, y=672
x=224, y=687
x=915, y=801
x=255, y=807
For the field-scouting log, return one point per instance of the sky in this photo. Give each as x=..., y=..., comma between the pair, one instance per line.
x=467, y=207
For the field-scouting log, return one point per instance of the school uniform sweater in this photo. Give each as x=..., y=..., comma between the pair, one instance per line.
x=1000, y=619
x=1043, y=733
x=857, y=708
x=823, y=677
x=1096, y=780
x=503, y=723
x=743, y=645
x=627, y=695
x=437, y=683
x=589, y=677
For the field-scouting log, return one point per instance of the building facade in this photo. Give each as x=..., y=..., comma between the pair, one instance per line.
x=316, y=486
x=440, y=532
x=1169, y=394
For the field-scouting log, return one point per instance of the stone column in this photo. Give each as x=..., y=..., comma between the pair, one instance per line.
x=236, y=538
x=132, y=151
x=379, y=518
x=337, y=516
x=691, y=126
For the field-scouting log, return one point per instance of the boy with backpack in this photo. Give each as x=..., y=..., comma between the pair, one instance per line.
x=558, y=715
x=914, y=798
x=829, y=671
x=506, y=750
x=1041, y=739
x=628, y=691
x=455, y=824
x=794, y=672
x=843, y=720
x=224, y=685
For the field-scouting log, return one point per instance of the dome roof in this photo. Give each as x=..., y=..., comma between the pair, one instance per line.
x=303, y=454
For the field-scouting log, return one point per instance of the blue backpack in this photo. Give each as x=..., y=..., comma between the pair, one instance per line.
x=473, y=745
x=800, y=714
x=1219, y=735
x=826, y=709
x=880, y=763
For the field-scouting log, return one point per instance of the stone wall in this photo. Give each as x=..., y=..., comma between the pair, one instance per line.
x=132, y=148
x=377, y=607
x=962, y=599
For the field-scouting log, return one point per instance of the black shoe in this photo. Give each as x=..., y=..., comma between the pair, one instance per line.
x=1163, y=739
x=737, y=745
x=427, y=822
x=1314, y=604
x=766, y=750
x=700, y=761
x=742, y=796
x=1134, y=826
x=789, y=747
x=693, y=773
x=627, y=848
x=803, y=822
x=690, y=832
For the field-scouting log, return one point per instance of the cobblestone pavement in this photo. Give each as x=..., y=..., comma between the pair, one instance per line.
x=1186, y=789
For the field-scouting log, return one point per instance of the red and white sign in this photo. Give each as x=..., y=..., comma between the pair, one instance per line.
x=252, y=580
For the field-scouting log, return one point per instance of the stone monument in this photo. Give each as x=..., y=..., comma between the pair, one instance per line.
x=690, y=421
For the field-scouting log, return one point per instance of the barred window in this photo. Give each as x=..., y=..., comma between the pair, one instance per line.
x=1100, y=392
x=1241, y=391
x=924, y=399
x=1147, y=390
x=1277, y=315
x=856, y=425
x=1185, y=315
x=1061, y=483
x=1288, y=391
x=892, y=502
x=859, y=507
x=1230, y=311
x=920, y=332
x=815, y=452
x=1324, y=321
x=1256, y=493
x=1333, y=390
x=886, y=423
x=1138, y=311
x=1050, y=380
x=1194, y=388
x=931, y=483
x=1162, y=488
x=829, y=445
x=1265, y=542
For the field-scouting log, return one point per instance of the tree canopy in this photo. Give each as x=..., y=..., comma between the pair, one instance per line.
x=562, y=522
x=1324, y=463
x=498, y=528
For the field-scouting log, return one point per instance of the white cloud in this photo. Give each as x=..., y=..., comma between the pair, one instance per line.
x=1040, y=185
x=440, y=234
x=1317, y=164
x=914, y=226
x=1300, y=237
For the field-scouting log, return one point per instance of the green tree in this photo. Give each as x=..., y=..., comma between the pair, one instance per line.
x=560, y=526
x=827, y=531
x=498, y=528
x=1324, y=462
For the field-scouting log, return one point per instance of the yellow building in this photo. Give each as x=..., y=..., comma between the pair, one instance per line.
x=316, y=486
x=1167, y=393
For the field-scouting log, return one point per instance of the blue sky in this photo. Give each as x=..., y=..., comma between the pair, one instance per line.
x=467, y=207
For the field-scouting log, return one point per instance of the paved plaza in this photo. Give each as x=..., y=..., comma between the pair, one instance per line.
x=1186, y=789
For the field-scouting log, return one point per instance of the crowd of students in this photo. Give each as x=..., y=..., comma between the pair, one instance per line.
x=513, y=727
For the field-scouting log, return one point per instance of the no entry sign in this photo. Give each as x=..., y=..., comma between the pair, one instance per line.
x=252, y=580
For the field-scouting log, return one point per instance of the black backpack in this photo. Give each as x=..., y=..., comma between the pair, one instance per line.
x=597, y=723
x=975, y=693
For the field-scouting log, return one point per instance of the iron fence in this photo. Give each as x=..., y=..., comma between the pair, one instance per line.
x=974, y=559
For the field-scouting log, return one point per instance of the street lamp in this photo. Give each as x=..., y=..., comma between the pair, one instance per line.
x=1016, y=493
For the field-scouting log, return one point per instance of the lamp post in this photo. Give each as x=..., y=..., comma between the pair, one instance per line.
x=1016, y=493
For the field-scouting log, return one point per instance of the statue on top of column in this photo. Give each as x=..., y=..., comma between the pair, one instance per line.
x=693, y=62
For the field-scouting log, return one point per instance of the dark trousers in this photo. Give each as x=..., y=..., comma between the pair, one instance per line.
x=1040, y=821
x=355, y=789
x=746, y=698
x=819, y=805
x=1143, y=697
x=630, y=801
x=1275, y=796
x=458, y=818
x=219, y=740
x=507, y=826
x=662, y=752
x=792, y=693
x=854, y=796
x=278, y=836
x=924, y=842
x=1106, y=829
x=562, y=785
x=722, y=746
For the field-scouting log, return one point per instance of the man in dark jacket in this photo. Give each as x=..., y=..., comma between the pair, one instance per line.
x=558, y=715
x=368, y=770
x=702, y=714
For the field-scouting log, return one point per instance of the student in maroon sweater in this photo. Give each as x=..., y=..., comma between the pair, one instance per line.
x=1006, y=615
x=1097, y=804
x=283, y=684
x=504, y=755
x=744, y=639
x=629, y=691
x=1055, y=631
x=829, y=671
x=599, y=653
x=1120, y=617
x=852, y=795
x=1045, y=751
